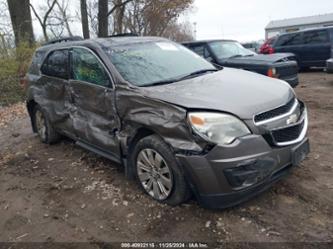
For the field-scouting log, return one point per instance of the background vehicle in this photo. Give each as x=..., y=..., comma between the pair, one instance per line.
x=312, y=47
x=329, y=66
x=230, y=53
x=266, y=48
x=253, y=46
x=175, y=122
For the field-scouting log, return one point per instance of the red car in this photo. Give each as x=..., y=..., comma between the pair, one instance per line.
x=267, y=48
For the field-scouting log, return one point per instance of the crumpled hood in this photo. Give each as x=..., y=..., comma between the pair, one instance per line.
x=239, y=92
x=261, y=59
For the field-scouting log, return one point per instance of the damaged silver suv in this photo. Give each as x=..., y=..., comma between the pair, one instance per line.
x=176, y=124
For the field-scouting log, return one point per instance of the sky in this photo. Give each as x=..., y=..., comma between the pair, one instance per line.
x=242, y=20
x=245, y=20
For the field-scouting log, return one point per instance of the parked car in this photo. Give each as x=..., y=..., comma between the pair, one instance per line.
x=312, y=47
x=253, y=46
x=329, y=65
x=267, y=48
x=176, y=124
x=230, y=53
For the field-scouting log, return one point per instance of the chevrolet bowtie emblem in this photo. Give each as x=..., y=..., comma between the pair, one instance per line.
x=292, y=119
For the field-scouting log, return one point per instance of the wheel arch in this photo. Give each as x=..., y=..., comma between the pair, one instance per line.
x=132, y=141
x=31, y=105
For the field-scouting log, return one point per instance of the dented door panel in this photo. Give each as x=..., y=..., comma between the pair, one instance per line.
x=93, y=115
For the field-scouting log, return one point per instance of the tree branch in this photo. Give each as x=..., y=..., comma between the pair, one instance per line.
x=37, y=16
x=118, y=6
x=49, y=11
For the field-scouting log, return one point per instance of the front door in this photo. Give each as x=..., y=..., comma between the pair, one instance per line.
x=93, y=114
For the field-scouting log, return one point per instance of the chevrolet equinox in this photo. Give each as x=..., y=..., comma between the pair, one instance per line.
x=176, y=123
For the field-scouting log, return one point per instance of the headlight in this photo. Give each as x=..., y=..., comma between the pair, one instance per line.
x=217, y=127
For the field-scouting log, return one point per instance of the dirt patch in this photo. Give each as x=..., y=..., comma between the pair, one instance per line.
x=63, y=193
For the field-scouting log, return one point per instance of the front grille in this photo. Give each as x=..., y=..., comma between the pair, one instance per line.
x=288, y=134
x=287, y=71
x=275, y=112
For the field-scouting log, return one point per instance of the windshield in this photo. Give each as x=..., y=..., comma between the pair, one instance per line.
x=146, y=63
x=227, y=49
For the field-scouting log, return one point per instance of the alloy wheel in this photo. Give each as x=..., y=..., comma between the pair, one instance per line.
x=154, y=174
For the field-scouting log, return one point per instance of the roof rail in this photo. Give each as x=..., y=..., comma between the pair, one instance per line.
x=64, y=39
x=124, y=35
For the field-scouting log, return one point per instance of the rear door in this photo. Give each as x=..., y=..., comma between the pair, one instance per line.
x=53, y=88
x=92, y=93
x=317, y=47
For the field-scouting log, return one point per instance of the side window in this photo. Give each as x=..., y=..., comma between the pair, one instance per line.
x=289, y=40
x=199, y=49
x=296, y=39
x=86, y=67
x=207, y=55
x=56, y=64
x=283, y=40
x=315, y=37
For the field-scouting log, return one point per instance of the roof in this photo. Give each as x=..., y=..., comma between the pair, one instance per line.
x=300, y=21
x=104, y=42
x=207, y=41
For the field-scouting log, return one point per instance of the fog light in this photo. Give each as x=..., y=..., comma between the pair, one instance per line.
x=249, y=173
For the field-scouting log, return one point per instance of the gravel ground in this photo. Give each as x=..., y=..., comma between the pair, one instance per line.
x=65, y=194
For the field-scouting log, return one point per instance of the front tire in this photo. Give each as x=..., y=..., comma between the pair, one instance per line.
x=43, y=127
x=158, y=172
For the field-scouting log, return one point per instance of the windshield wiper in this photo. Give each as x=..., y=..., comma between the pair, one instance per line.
x=188, y=76
x=162, y=82
x=197, y=73
x=236, y=56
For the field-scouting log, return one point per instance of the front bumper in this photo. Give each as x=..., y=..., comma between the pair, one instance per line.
x=212, y=183
x=329, y=65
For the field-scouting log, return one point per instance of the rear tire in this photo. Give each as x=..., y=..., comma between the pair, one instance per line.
x=42, y=125
x=158, y=172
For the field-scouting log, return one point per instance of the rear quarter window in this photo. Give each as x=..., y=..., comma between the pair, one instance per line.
x=36, y=62
x=56, y=64
x=316, y=36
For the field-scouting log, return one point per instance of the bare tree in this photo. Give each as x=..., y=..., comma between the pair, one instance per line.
x=84, y=19
x=92, y=10
x=104, y=14
x=21, y=20
x=118, y=12
x=179, y=32
x=43, y=20
x=153, y=17
x=64, y=16
x=7, y=37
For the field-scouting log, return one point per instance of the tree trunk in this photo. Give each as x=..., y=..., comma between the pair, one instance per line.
x=119, y=17
x=103, y=18
x=84, y=19
x=20, y=16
